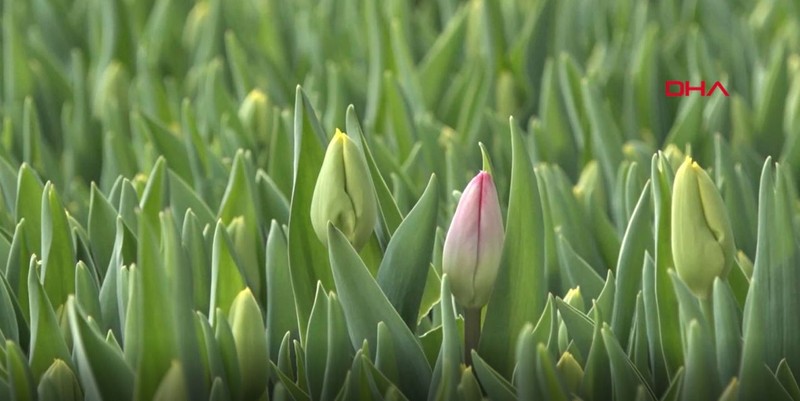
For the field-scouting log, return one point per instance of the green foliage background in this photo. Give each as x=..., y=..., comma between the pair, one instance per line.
x=158, y=157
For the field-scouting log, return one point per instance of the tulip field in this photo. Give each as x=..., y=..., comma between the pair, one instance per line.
x=344, y=200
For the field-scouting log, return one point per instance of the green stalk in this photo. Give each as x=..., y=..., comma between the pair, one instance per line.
x=472, y=332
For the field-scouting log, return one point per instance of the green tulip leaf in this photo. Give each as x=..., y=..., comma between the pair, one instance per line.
x=308, y=259
x=629, y=269
x=47, y=340
x=21, y=383
x=365, y=305
x=579, y=326
x=226, y=277
x=447, y=372
x=519, y=294
x=316, y=342
x=727, y=330
x=58, y=250
x=102, y=370
x=403, y=271
x=497, y=388
x=280, y=319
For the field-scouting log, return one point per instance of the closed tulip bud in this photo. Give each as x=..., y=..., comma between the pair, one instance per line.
x=197, y=22
x=139, y=183
x=111, y=92
x=570, y=371
x=255, y=115
x=474, y=243
x=575, y=299
x=702, y=239
x=249, y=335
x=589, y=190
x=344, y=194
x=254, y=112
x=59, y=383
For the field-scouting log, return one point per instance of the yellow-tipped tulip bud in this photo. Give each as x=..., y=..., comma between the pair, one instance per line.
x=249, y=335
x=575, y=299
x=344, y=194
x=256, y=116
x=474, y=243
x=254, y=113
x=702, y=239
x=59, y=383
x=570, y=371
x=589, y=190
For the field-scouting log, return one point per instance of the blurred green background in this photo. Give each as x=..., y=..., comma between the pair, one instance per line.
x=177, y=105
x=93, y=89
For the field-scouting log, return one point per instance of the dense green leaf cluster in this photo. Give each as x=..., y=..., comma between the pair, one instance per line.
x=158, y=161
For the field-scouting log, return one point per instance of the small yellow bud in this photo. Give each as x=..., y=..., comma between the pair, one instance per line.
x=575, y=299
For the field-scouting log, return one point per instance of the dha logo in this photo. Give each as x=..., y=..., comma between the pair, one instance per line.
x=684, y=88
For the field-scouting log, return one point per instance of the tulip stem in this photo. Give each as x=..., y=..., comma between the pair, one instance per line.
x=472, y=332
x=707, y=306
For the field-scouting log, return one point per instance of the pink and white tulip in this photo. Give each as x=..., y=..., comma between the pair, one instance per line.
x=474, y=243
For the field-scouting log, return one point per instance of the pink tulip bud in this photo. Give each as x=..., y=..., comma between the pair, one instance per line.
x=474, y=243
